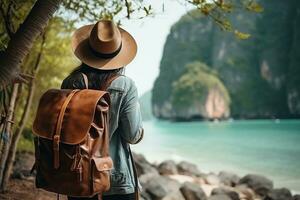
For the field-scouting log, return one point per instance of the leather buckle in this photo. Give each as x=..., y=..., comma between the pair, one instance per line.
x=56, y=140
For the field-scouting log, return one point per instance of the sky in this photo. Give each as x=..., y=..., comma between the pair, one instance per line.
x=150, y=34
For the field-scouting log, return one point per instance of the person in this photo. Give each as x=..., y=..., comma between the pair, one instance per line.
x=105, y=49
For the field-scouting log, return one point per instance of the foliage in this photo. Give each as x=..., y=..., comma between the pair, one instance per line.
x=90, y=11
x=25, y=145
x=221, y=11
x=12, y=15
x=194, y=84
x=218, y=10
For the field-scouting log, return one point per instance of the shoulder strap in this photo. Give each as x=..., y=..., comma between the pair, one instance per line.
x=109, y=81
x=86, y=81
x=136, y=187
x=56, y=136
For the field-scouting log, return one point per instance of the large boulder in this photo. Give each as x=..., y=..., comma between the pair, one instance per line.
x=160, y=187
x=260, y=184
x=279, y=194
x=142, y=165
x=189, y=169
x=219, y=197
x=167, y=167
x=296, y=197
x=192, y=191
x=232, y=194
x=228, y=178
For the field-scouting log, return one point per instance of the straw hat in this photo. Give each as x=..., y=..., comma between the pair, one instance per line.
x=104, y=45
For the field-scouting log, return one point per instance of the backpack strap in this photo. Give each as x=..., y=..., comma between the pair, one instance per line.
x=56, y=136
x=86, y=80
x=109, y=81
x=136, y=187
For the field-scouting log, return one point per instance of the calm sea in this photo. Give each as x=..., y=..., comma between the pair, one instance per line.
x=267, y=147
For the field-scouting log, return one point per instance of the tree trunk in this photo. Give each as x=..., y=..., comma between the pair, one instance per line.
x=15, y=139
x=22, y=123
x=22, y=41
x=7, y=129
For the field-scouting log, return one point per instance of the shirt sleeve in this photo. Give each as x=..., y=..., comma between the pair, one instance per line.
x=130, y=116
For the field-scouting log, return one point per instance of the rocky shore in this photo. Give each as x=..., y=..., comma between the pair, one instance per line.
x=184, y=181
x=165, y=181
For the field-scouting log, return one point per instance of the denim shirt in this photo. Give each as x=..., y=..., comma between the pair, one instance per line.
x=125, y=126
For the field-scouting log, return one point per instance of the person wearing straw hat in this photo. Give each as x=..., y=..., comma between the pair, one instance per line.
x=105, y=49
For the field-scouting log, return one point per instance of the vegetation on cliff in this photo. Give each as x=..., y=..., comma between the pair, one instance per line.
x=193, y=92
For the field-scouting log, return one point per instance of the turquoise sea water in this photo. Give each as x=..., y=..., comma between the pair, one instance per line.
x=267, y=147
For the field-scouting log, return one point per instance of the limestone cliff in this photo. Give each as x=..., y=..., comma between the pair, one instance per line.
x=260, y=75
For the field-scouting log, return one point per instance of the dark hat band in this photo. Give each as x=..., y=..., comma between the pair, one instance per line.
x=106, y=55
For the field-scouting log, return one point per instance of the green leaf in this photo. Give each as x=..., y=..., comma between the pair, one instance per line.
x=227, y=7
x=225, y=24
x=255, y=7
x=240, y=35
x=206, y=8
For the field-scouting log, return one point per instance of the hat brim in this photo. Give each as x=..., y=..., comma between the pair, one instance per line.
x=82, y=50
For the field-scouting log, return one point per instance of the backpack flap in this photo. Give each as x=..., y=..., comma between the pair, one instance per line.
x=77, y=117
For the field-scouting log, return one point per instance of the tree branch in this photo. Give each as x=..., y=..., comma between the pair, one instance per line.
x=127, y=8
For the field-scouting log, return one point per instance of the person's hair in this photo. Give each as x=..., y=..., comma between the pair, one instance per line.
x=97, y=78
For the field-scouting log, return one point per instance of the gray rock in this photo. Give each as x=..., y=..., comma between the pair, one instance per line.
x=142, y=165
x=296, y=197
x=167, y=167
x=228, y=178
x=279, y=194
x=161, y=186
x=232, y=194
x=260, y=184
x=192, y=191
x=245, y=191
x=144, y=195
x=186, y=168
x=212, y=179
x=219, y=197
x=145, y=178
x=174, y=196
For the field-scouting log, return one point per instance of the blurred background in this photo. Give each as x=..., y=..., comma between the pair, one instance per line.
x=219, y=89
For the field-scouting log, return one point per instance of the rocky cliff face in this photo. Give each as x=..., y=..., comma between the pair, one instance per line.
x=260, y=75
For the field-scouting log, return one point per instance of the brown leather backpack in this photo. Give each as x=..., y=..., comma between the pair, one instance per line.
x=72, y=143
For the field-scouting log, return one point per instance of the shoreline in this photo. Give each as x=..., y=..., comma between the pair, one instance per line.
x=167, y=180
x=236, y=171
x=248, y=186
